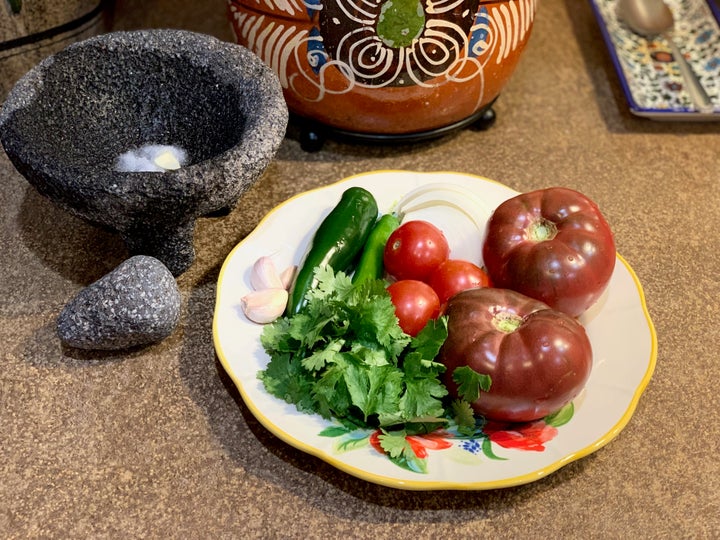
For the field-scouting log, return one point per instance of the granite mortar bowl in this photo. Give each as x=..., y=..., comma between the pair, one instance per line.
x=66, y=121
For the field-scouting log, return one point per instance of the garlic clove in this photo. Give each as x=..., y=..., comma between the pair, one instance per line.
x=288, y=275
x=264, y=306
x=167, y=161
x=264, y=275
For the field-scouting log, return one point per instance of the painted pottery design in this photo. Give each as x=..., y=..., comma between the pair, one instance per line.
x=386, y=66
x=652, y=81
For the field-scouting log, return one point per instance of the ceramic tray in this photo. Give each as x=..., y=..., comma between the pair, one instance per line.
x=619, y=327
x=649, y=77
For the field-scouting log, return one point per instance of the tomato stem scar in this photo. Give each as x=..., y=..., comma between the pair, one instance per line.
x=506, y=322
x=542, y=230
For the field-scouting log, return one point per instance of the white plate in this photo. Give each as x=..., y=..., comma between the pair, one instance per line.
x=619, y=326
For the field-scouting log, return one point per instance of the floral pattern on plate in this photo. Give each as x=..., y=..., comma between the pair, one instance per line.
x=649, y=74
x=411, y=451
x=619, y=327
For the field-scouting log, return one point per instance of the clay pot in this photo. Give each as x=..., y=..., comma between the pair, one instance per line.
x=389, y=67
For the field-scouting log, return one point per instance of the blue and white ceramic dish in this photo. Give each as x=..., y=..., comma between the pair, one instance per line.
x=649, y=75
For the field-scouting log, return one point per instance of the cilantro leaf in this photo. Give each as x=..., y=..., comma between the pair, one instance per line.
x=394, y=443
x=431, y=338
x=345, y=356
x=421, y=398
x=464, y=417
x=398, y=448
x=470, y=382
x=330, y=393
x=286, y=380
x=320, y=358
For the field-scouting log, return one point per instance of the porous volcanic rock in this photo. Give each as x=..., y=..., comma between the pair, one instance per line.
x=137, y=303
x=66, y=122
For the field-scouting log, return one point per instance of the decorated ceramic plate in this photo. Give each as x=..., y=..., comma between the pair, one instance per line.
x=620, y=330
x=650, y=77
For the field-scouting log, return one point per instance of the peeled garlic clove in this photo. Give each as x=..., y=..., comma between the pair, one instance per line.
x=264, y=275
x=167, y=160
x=287, y=276
x=264, y=306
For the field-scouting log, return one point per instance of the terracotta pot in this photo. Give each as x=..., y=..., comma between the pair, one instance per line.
x=388, y=67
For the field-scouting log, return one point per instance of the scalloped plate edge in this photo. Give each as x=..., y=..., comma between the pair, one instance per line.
x=420, y=485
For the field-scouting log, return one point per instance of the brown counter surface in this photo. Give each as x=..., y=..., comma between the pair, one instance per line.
x=157, y=443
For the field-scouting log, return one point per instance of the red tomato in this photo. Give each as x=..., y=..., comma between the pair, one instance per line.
x=414, y=250
x=415, y=304
x=538, y=358
x=455, y=275
x=553, y=245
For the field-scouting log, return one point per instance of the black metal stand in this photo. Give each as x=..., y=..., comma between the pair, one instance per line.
x=314, y=134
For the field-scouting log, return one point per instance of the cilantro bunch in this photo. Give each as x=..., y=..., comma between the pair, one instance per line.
x=345, y=356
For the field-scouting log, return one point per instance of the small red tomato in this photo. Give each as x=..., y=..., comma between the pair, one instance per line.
x=415, y=304
x=414, y=250
x=455, y=275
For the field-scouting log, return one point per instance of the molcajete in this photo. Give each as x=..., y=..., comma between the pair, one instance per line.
x=387, y=66
x=66, y=124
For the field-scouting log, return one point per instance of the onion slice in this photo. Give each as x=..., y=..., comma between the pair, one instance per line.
x=445, y=194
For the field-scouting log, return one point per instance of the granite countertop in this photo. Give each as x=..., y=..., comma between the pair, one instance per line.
x=157, y=443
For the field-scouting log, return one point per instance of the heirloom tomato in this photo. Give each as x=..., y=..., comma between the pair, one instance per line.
x=553, y=245
x=538, y=358
x=415, y=304
x=414, y=250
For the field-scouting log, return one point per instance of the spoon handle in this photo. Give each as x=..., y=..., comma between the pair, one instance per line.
x=698, y=95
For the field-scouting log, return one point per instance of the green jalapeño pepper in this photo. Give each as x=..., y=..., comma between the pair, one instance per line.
x=371, y=260
x=337, y=242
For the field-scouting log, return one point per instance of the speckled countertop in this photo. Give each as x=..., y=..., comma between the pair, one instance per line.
x=158, y=444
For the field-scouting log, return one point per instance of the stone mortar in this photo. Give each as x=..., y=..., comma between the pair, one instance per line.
x=64, y=124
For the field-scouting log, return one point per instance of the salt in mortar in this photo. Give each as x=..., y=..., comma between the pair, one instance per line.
x=152, y=158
